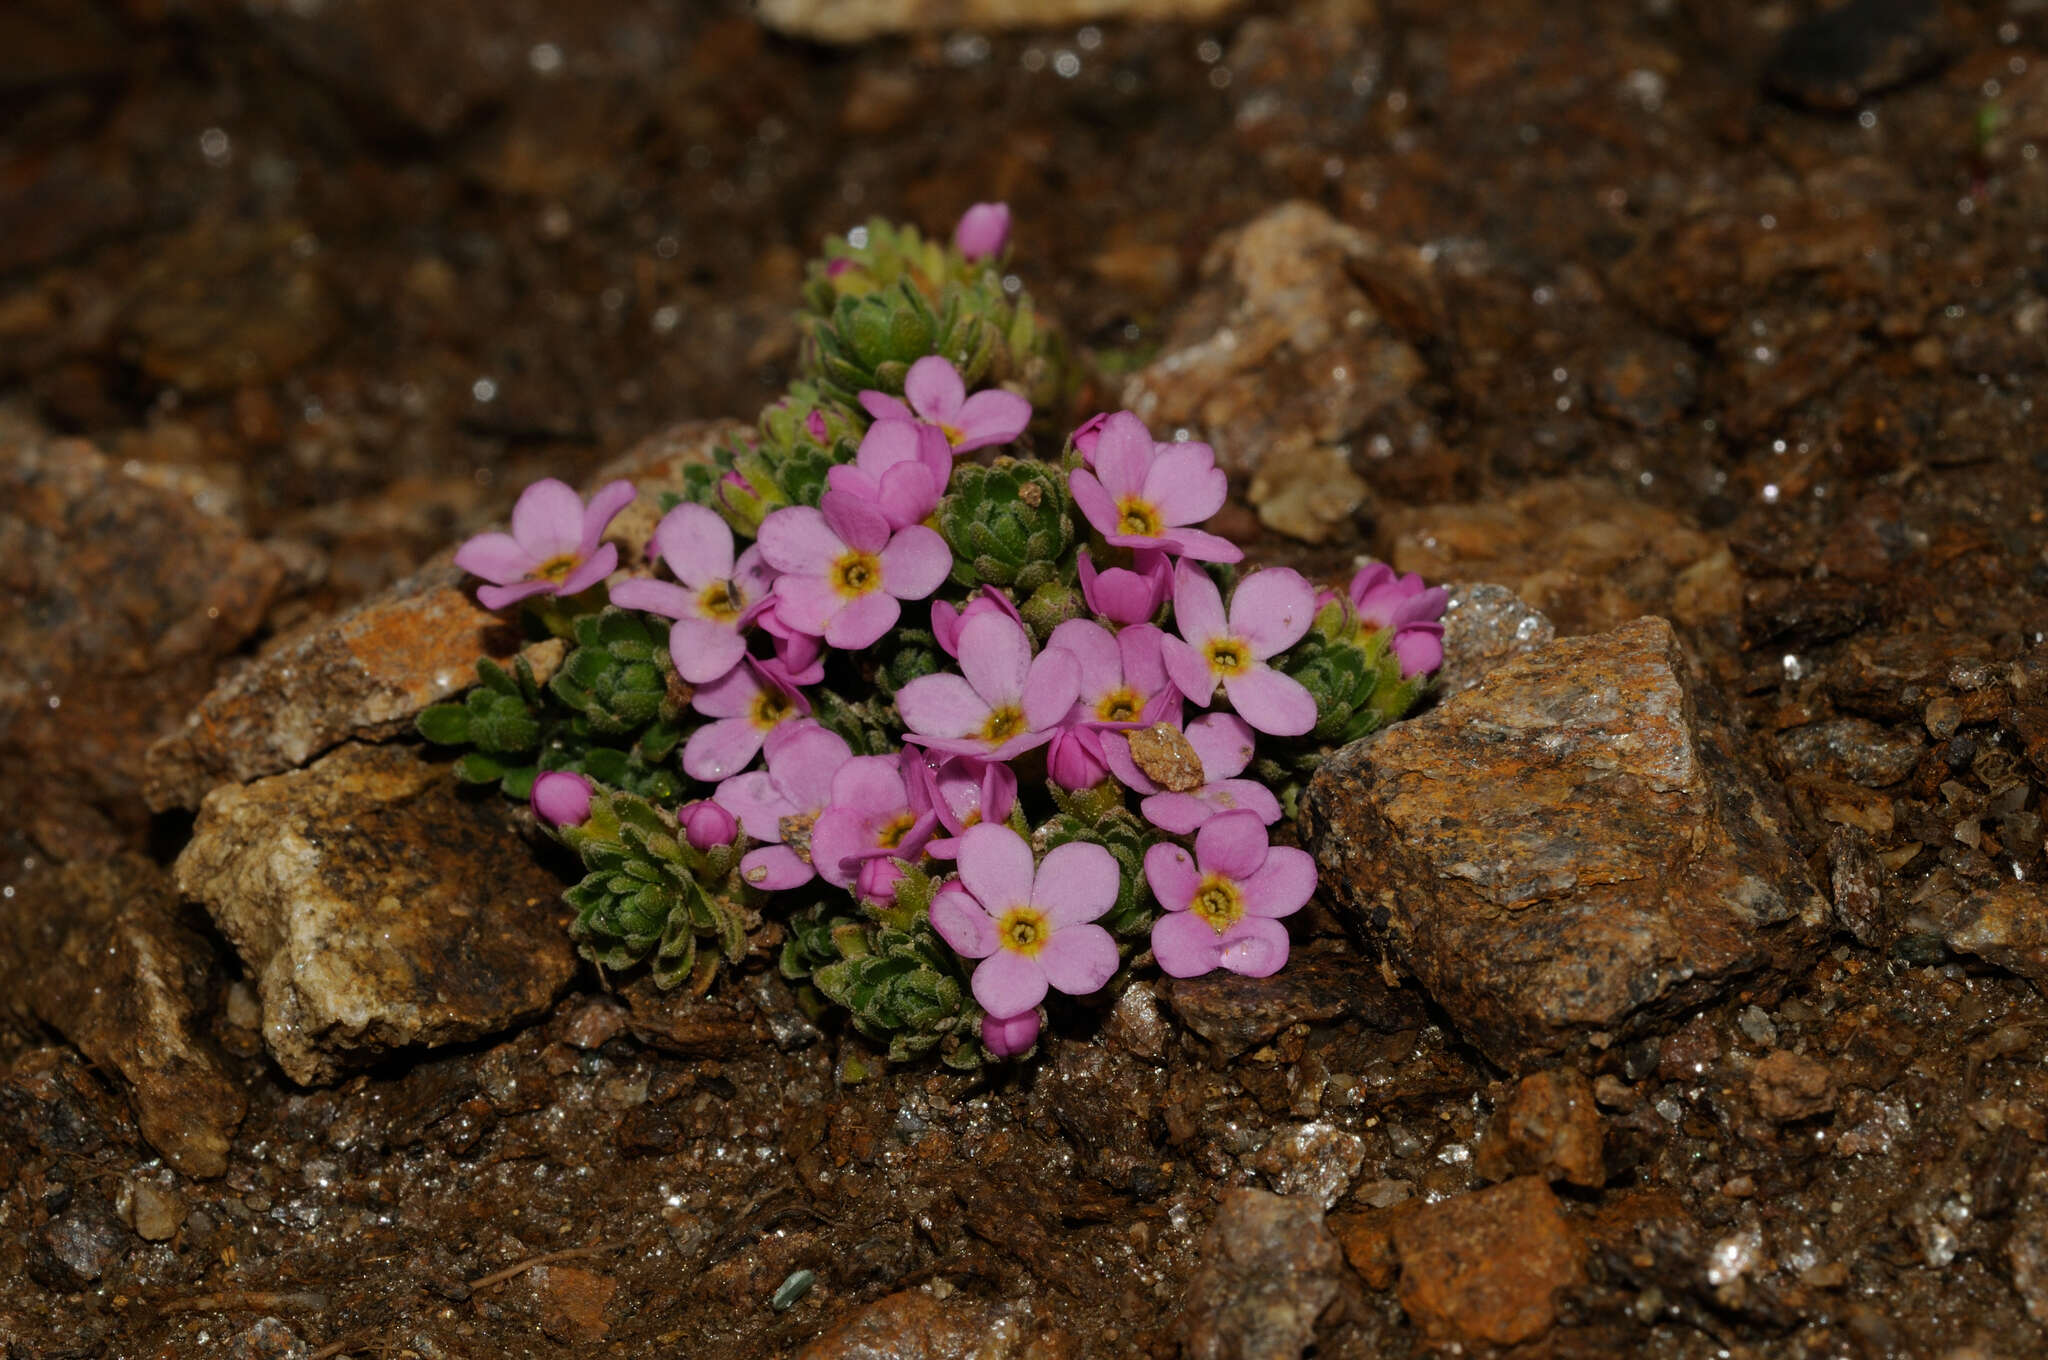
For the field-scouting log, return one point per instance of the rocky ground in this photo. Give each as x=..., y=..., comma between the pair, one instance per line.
x=1675, y=989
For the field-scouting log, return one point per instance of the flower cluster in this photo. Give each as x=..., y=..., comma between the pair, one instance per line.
x=974, y=727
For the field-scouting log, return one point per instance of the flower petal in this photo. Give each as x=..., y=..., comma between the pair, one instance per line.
x=497, y=558
x=1097, y=660
x=1224, y=742
x=802, y=758
x=1098, y=507
x=882, y=406
x=1123, y=454
x=1079, y=959
x=1178, y=813
x=1184, y=945
x=886, y=444
x=1283, y=883
x=1276, y=704
x=1419, y=647
x=1193, y=545
x=604, y=507
x=942, y=705
x=1189, y=670
x=916, y=561
x=1050, y=686
x=859, y=524
x=722, y=748
x=1007, y=982
x=1171, y=871
x=650, y=596
x=1076, y=882
x=961, y=923
x=497, y=597
x=995, y=865
x=862, y=621
x=1233, y=845
x=1271, y=609
x=991, y=416
x=1248, y=795
x=807, y=604
x=547, y=519
x=796, y=539
x=995, y=656
x=702, y=650
x=872, y=786
x=1197, y=605
x=1254, y=947
x=1184, y=484
x=773, y=868
x=696, y=543
x=836, y=837
x=1116, y=753
x=755, y=801
x=935, y=392
x=591, y=570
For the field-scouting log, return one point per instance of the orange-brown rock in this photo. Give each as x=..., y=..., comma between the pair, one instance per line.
x=1789, y=1086
x=1548, y=1126
x=1486, y=1266
x=1567, y=850
x=913, y=1325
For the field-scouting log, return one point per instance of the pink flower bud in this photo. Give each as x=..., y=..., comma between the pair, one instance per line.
x=814, y=426
x=706, y=824
x=561, y=798
x=1075, y=761
x=983, y=231
x=1009, y=1035
x=948, y=621
x=1127, y=596
x=836, y=266
x=1083, y=439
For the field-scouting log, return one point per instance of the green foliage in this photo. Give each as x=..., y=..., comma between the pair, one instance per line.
x=498, y=717
x=898, y=981
x=1010, y=523
x=621, y=681
x=785, y=462
x=649, y=896
x=1352, y=674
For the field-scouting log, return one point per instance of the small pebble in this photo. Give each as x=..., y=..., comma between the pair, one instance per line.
x=1943, y=716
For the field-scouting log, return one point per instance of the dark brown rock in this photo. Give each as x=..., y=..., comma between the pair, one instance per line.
x=116, y=601
x=1855, y=749
x=1789, y=1086
x=1486, y=1266
x=1548, y=1126
x=130, y=985
x=915, y=1326
x=1320, y=982
x=377, y=907
x=1565, y=851
x=1844, y=53
x=2006, y=925
x=1269, y=1269
x=572, y=1303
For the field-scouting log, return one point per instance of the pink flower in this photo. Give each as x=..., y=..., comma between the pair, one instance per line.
x=749, y=702
x=1269, y=611
x=983, y=231
x=1004, y=703
x=1223, y=742
x=1222, y=902
x=561, y=798
x=1009, y=1035
x=1031, y=927
x=705, y=824
x=553, y=548
x=780, y=805
x=1124, y=596
x=1143, y=495
x=843, y=571
x=716, y=599
x=799, y=657
x=938, y=398
x=814, y=426
x=947, y=621
x=1086, y=434
x=1413, y=614
x=902, y=469
x=962, y=791
x=1120, y=677
x=869, y=825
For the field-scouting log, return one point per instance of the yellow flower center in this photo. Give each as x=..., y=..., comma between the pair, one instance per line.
x=1023, y=930
x=1120, y=705
x=769, y=707
x=857, y=574
x=1218, y=902
x=954, y=434
x=1002, y=724
x=556, y=568
x=1134, y=516
x=1228, y=656
x=890, y=834
x=719, y=602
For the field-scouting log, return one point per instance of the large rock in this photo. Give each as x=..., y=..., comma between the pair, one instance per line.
x=853, y=21
x=1565, y=851
x=377, y=907
x=121, y=978
x=117, y=599
x=1269, y=1269
x=1487, y=1266
x=365, y=674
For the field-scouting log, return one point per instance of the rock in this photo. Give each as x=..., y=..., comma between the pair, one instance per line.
x=1486, y=1266
x=1269, y=1268
x=1485, y=625
x=129, y=985
x=377, y=907
x=2026, y=1250
x=267, y=1339
x=572, y=1303
x=1565, y=851
x=1135, y=1025
x=2006, y=925
x=1856, y=883
x=1893, y=675
x=913, y=1325
x=1304, y=489
x=1839, y=56
x=1548, y=1127
x=365, y=674
x=231, y=304
x=1648, y=381
x=117, y=601
x=1317, y=1160
x=1109, y=1105
x=856, y=21
x=77, y=1246
x=154, y=1211
x=1319, y=983
x=1282, y=352
x=1788, y=1086
x=1582, y=552
x=1855, y=749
